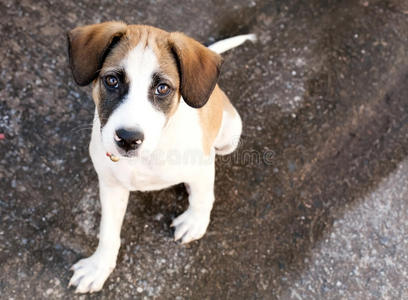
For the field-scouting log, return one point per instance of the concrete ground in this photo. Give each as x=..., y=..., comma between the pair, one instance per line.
x=313, y=205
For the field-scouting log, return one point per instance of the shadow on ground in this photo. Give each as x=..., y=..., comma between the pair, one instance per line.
x=323, y=96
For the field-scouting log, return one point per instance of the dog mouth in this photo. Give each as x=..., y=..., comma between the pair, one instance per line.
x=112, y=157
x=120, y=154
x=127, y=155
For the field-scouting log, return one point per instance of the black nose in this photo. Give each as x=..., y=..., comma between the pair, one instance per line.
x=129, y=139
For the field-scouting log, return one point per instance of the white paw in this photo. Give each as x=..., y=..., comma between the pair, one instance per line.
x=90, y=273
x=190, y=226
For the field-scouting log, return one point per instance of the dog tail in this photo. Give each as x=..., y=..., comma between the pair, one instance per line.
x=227, y=44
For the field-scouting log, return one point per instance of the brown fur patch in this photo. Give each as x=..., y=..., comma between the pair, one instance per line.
x=159, y=43
x=87, y=47
x=198, y=66
x=211, y=117
x=96, y=92
x=157, y=40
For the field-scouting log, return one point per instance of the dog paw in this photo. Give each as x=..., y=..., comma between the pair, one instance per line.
x=90, y=274
x=190, y=226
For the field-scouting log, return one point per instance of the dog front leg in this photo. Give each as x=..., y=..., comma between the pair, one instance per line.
x=90, y=273
x=193, y=223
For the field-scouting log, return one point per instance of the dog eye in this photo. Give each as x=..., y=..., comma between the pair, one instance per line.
x=162, y=90
x=111, y=81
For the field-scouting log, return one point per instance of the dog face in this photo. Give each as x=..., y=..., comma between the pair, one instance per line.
x=136, y=94
x=139, y=74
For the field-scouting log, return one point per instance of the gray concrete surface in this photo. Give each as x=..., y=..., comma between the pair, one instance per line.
x=313, y=205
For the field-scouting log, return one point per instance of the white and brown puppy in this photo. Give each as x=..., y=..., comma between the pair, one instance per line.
x=160, y=117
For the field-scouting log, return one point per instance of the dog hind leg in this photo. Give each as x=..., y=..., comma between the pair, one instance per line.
x=228, y=138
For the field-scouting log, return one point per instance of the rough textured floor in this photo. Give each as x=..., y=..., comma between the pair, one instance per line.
x=313, y=205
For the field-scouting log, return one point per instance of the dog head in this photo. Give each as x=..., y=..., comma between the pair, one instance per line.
x=139, y=73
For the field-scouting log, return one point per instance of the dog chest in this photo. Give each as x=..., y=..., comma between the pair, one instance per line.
x=139, y=176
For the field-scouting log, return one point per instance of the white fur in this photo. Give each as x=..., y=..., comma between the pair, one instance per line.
x=227, y=44
x=171, y=153
x=136, y=111
x=228, y=138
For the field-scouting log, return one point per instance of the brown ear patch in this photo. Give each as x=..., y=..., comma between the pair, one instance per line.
x=89, y=45
x=198, y=66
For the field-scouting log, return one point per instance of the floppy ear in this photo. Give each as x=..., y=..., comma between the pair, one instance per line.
x=198, y=66
x=88, y=47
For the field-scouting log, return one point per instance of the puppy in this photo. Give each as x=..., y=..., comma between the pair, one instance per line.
x=160, y=118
